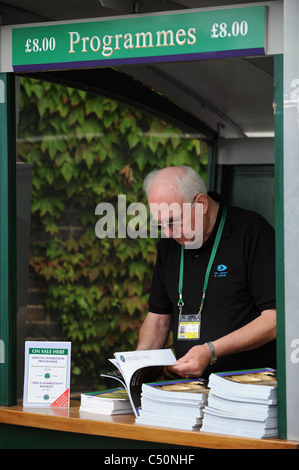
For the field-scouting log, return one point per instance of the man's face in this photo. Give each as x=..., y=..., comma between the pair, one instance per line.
x=177, y=218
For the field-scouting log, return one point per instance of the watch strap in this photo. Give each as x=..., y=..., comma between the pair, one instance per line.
x=213, y=353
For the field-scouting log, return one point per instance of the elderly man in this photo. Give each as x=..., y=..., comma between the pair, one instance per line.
x=219, y=294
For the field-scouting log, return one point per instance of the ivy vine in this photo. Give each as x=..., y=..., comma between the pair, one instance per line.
x=87, y=149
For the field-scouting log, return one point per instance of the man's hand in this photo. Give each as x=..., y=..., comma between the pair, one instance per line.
x=193, y=363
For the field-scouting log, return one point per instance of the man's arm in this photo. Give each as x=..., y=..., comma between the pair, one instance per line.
x=253, y=335
x=154, y=331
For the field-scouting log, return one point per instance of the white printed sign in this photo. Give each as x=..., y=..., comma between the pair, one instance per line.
x=47, y=374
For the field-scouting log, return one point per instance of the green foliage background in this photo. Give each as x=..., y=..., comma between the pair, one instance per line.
x=88, y=149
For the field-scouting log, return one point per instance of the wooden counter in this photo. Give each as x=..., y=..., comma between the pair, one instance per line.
x=123, y=427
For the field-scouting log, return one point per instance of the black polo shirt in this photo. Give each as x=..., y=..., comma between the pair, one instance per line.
x=241, y=285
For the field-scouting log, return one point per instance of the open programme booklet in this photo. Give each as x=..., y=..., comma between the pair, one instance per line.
x=137, y=367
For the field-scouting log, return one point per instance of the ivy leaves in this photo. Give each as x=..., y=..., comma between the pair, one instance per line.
x=85, y=150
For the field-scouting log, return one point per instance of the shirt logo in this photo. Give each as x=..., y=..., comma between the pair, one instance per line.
x=221, y=271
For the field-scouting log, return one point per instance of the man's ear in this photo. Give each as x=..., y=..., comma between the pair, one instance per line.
x=203, y=199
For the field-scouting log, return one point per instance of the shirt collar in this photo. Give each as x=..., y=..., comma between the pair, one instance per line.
x=227, y=226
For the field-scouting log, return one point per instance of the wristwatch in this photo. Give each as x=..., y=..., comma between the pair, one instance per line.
x=213, y=353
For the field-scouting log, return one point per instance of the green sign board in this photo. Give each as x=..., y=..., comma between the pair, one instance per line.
x=140, y=39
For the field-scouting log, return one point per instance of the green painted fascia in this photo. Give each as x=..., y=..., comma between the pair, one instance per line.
x=279, y=229
x=8, y=297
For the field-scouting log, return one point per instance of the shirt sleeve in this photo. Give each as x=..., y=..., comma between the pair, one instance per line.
x=260, y=258
x=159, y=301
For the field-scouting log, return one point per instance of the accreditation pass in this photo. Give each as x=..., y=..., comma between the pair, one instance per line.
x=189, y=327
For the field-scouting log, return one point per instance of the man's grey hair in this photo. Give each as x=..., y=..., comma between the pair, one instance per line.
x=188, y=183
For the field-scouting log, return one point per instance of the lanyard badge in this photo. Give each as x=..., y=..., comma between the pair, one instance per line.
x=189, y=327
x=189, y=324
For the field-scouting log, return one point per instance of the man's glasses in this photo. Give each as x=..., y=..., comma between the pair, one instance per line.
x=174, y=225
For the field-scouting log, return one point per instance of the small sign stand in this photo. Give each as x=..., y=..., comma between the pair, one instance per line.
x=47, y=374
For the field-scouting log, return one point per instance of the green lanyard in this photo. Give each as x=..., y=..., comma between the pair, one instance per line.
x=211, y=260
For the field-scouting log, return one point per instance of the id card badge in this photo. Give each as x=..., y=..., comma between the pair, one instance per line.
x=189, y=327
